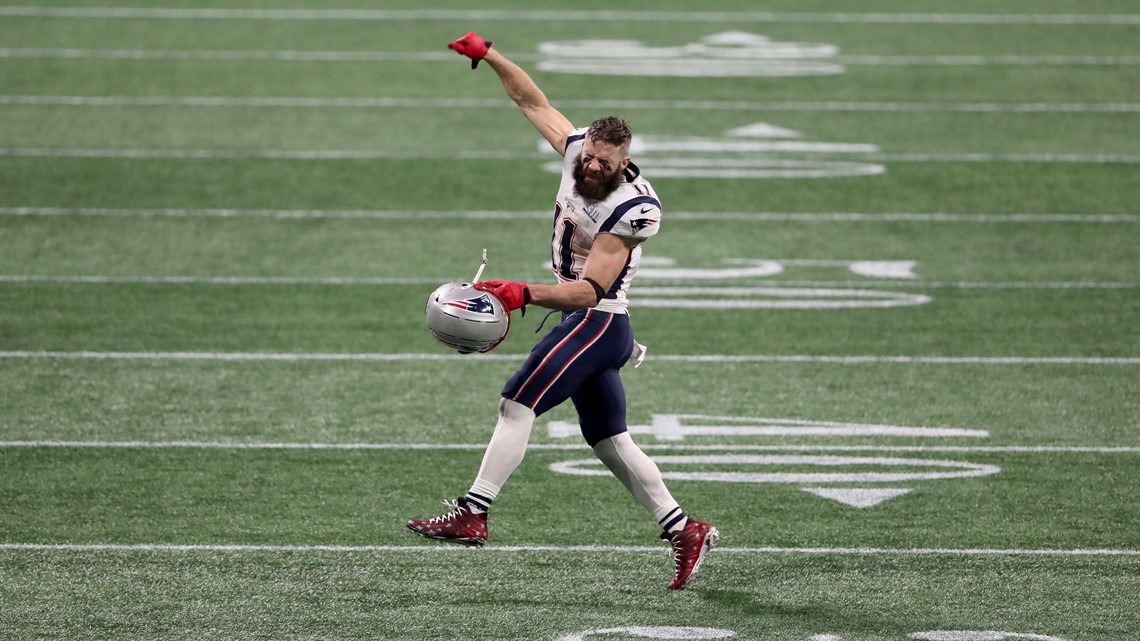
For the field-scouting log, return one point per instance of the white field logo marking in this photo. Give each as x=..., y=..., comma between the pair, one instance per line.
x=758, y=150
x=679, y=427
x=946, y=469
x=977, y=635
x=653, y=632
x=671, y=632
x=773, y=297
x=731, y=54
x=662, y=267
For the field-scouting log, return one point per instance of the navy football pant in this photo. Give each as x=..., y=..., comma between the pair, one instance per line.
x=579, y=359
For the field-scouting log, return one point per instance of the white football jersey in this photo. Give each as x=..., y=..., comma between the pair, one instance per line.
x=631, y=211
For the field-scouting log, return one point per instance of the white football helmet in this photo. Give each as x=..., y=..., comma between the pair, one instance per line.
x=467, y=319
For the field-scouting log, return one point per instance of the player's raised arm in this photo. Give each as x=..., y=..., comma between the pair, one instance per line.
x=549, y=122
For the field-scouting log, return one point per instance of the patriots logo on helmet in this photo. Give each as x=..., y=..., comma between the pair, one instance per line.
x=479, y=305
x=466, y=319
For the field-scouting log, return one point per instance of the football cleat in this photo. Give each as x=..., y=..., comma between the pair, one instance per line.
x=459, y=525
x=690, y=545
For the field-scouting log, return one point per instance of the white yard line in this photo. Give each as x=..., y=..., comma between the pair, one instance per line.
x=282, y=55
x=217, y=280
x=901, y=217
x=904, y=360
x=479, y=447
x=256, y=356
x=267, y=154
x=659, y=358
x=382, y=281
x=557, y=549
x=485, y=103
x=238, y=54
x=544, y=215
x=292, y=213
x=983, y=61
x=733, y=17
x=950, y=285
x=1090, y=159
x=379, y=154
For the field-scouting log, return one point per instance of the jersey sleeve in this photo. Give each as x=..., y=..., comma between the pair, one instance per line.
x=573, y=147
x=638, y=218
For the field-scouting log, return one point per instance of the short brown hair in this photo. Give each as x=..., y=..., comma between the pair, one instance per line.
x=611, y=130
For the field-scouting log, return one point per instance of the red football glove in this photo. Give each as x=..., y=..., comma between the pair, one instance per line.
x=473, y=46
x=514, y=295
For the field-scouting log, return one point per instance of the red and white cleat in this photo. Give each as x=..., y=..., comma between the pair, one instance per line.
x=690, y=546
x=459, y=525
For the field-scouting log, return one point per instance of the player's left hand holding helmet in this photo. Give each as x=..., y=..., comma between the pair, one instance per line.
x=514, y=295
x=467, y=319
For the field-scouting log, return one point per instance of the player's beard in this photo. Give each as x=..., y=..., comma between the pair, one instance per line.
x=601, y=185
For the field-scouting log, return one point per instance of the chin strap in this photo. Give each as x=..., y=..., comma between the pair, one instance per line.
x=539, y=328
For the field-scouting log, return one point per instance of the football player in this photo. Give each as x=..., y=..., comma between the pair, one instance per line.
x=605, y=209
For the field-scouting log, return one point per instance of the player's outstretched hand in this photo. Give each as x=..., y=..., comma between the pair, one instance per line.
x=472, y=45
x=514, y=295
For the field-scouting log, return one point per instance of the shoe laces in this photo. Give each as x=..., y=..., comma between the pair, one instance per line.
x=678, y=546
x=454, y=510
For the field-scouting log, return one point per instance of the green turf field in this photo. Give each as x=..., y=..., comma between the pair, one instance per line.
x=893, y=318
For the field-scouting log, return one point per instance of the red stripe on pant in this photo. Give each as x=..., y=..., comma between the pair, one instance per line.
x=569, y=362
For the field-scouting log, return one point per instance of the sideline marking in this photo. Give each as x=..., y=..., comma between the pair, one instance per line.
x=603, y=549
x=455, y=103
x=399, y=214
x=570, y=16
x=660, y=167
x=665, y=358
x=479, y=447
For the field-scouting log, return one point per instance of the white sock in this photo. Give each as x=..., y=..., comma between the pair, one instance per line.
x=504, y=452
x=639, y=474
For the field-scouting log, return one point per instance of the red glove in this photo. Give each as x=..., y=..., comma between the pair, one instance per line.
x=514, y=295
x=473, y=46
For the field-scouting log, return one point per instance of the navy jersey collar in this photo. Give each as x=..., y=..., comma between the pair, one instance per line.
x=631, y=172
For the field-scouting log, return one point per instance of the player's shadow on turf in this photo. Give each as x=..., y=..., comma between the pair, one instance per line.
x=813, y=617
x=751, y=603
